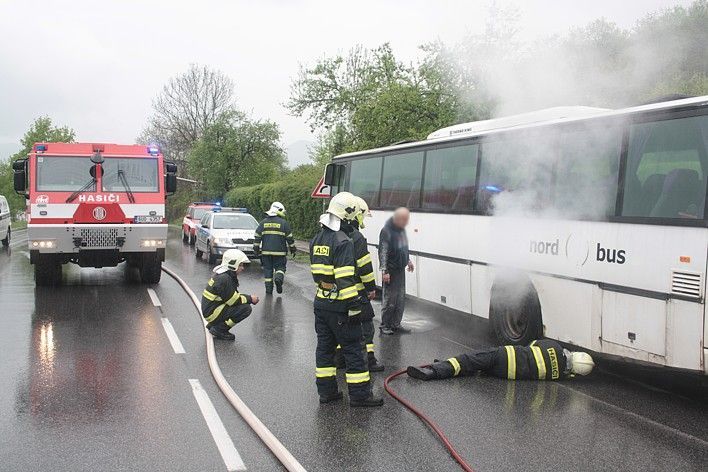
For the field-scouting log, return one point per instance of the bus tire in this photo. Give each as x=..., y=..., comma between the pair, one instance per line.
x=47, y=272
x=6, y=240
x=515, y=312
x=150, y=269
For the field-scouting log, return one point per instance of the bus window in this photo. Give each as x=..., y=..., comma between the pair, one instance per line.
x=516, y=175
x=666, y=169
x=450, y=175
x=587, y=173
x=365, y=178
x=401, y=180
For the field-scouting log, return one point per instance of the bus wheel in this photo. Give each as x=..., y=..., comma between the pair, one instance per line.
x=150, y=269
x=6, y=241
x=515, y=311
x=47, y=272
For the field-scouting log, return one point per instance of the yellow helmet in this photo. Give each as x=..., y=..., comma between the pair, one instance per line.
x=344, y=206
x=363, y=211
x=581, y=363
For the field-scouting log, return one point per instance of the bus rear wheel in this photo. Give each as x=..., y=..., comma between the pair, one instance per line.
x=515, y=312
x=150, y=269
x=47, y=272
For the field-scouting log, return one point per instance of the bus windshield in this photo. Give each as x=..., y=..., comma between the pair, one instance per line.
x=63, y=174
x=140, y=174
x=234, y=222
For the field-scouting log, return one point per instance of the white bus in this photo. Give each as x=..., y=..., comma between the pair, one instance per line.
x=585, y=225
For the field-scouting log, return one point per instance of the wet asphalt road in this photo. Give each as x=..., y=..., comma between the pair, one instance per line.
x=91, y=382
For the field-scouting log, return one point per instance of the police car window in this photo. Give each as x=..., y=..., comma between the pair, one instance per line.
x=205, y=220
x=402, y=177
x=365, y=179
x=450, y=175
x=586, y=173
x=63, y=174
x=141, y=174
x=666, y=169
x=234, y=222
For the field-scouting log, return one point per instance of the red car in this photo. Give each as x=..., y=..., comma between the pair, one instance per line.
x=195, y=211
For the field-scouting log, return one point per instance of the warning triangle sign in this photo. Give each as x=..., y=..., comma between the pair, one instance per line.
x=321, y=190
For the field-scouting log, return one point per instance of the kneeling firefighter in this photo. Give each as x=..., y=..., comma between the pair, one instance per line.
x=338, y=307
x=541, y=360
x=366, y=285
x=222, y=304
x=272, y=240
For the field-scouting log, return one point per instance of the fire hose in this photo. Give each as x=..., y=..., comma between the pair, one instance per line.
x=425, y=419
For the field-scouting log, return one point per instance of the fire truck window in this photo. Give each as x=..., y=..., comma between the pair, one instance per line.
x=63, y=174
x=141, y=174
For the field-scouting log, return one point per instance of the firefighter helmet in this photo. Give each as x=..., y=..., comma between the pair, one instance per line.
x=231, y=260
x=363, y=211
x=344, y=206
x=581, y=363
x=276, y=209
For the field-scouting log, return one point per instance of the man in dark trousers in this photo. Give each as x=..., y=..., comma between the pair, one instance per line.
x=272, y=239
x=337, y=307
x=541, y=360
x=393, y=262
x=222, y=304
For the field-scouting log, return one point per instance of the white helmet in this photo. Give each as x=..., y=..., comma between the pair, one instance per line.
x=363, y=211
x=231, y=260
x=342, y=206
x=276, y=209
x=581, y=363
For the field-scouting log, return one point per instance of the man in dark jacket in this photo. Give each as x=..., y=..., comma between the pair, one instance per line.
x=272, y=239
x=222, y=304
x=541, y=360
x=393, y=261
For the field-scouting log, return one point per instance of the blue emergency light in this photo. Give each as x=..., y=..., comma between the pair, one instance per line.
x=153, y=150
x=40, y=147
x=492, y=188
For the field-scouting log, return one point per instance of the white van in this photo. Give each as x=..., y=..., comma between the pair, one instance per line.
x=4, y=221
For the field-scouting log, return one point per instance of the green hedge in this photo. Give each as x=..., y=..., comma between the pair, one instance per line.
x=293, y=191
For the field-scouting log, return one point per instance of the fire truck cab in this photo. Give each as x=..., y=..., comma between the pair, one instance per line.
x=95, y=205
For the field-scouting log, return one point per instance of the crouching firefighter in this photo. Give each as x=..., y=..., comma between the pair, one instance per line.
x=222, y=304
x=365, y=283
x=272, y=240
x=541, y=360
x=338, y=307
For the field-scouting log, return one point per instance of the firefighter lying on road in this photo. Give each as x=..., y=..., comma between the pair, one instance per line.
x=222, y=304
x=541, y=360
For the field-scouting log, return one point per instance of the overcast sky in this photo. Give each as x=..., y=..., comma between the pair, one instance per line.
x=96, y=65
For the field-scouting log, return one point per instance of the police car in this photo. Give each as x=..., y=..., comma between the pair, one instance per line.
x=4, y=221
x=225, y=228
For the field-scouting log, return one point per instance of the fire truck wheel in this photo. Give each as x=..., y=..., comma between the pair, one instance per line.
x=150, y=269
x=47, y=273
x=6, y=241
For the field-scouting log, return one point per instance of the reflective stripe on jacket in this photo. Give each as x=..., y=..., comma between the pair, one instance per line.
x=274, y=236
x=541, y=360
x=333, y=269
x=220, y=292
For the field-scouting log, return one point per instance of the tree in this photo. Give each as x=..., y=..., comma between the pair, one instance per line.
x=187, y=105
x=41, y=130
x=236, y=151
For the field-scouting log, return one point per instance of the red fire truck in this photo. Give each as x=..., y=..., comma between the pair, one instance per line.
x=95, y=205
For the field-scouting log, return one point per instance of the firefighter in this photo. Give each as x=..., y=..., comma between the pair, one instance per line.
x=222, y=304
x=272, y=239
x=365, y=283
x=541, y=360
x=338, y=307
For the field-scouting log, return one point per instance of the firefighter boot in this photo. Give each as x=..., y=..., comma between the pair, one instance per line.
x=278, y=279
x=332, y=397
x=371, y=400
x=221, y=333
x=421, y=373
x=374, y=365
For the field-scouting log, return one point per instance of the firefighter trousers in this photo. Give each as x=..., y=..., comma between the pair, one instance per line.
x=231, y=315
x=469, y=363
x=335, y=328
x=367, y=336
x=273, y=268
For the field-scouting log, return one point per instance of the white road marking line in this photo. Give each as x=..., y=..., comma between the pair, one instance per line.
x=153, y=297
x=226, y=447
x=172, y=336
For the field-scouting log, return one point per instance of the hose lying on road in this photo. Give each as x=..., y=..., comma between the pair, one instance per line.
x=425, y=419
x=276, y=447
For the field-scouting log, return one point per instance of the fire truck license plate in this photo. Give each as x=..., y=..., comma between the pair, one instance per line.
x=148, y=219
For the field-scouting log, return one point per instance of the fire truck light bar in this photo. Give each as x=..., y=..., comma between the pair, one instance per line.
x=153, y=150
x=40, y=147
